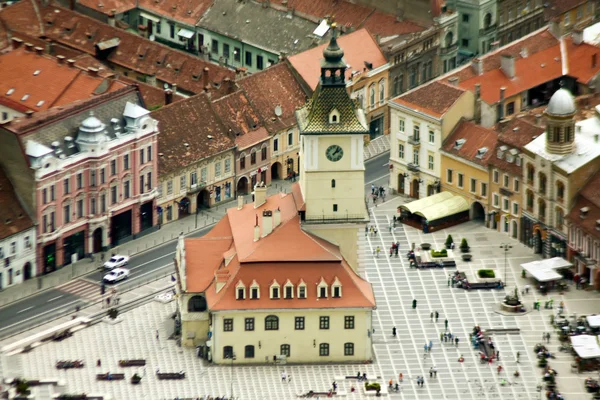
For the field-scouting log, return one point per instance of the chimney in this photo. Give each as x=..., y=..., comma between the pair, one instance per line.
x=151, y=80
x=501, y=103
x=508, y=65
x=256, y=232
x=111, y=18
x=594, y=60
x=583, y=212
x=240, y=202
x=221, y=61
x=524, y=52
x=174, y=89
x=93, y=71
x=16, y=43
x=453, y=80
x=502, y=91
x=538, y=119
x=49, y=47
x=61, y=59
x=71, y=62
x=477, y=103
x=168, y=96
x=29, y=113
x=260, y=194
x=494, y=45
x=38, y=50
x=267, y=222
x=477, y=65
x=28, y=47
x=502, y=124
x=205, y=80
x=555, y=27
x=276, y=218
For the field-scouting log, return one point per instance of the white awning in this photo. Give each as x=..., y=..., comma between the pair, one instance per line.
x=586, y=346
x=593, y=321
x=425, y=202
x=322, y=29
x=443, y=209
x=185, y=33
x=545, y=270
x=150, y=17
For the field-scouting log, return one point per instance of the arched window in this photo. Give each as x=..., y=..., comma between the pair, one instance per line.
x=487, y=20
x=197, y=304
x=560, y=191
x=560, y=218
x=530, y=173
x=542, y=209
x=529, y=200
x=449, y=39
x=333, y=183
x=228, y=352
x=372, y=95
x=249, y=351
x=542, y=183
x=271, y=323
x=381, y=91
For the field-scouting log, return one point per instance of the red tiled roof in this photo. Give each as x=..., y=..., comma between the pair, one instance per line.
x=109, y=7
x=288, y=253
x=275, y=86
x=133, y=52
x=587, y=224
x=13, y=218
x=359, y=48
x=434, y=98
x=38, y=82
x=347, y=14
x=251, y=138
x=187, y=11
x=237, y=114
x=591, y=190
x=515, y=134
x=535, y=42
x=581, y=64
x=476, y=137
x=298, y=197
x=190, y=121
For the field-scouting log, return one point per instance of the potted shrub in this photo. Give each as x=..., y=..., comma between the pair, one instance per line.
x=113, y=313
x=440, y=253
x=136, y=379
x=372, y=386
x=22, y=387
x=426, y=246
x=449, y=241
x=464, y=246
x=467, y=257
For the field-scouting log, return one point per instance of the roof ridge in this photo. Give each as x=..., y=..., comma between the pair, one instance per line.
x=281, y=225
x=313, y=236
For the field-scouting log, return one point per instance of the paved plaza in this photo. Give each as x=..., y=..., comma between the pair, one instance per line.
x=395, y=285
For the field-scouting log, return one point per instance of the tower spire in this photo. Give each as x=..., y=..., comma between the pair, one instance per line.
x=333, y=66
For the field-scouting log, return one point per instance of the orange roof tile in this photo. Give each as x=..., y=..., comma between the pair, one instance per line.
x=210, y=251
x=388, y=25
x=275, y=86
x=251, y=138
x=38, y=82
x=109, y=7
x=13, y=217
x=476, y=137
x=298, y=197
x=584, y=60
x=237, y=114
x=359, y=48
x=433, y=98
x=188, y=11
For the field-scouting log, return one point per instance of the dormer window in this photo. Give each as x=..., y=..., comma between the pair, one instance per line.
x=275, y=290
x=334, y=117
x=254, y=291
x=336, y=289
x=302, y=290
x=322, y=289
x=240, y=291
x=288, y=290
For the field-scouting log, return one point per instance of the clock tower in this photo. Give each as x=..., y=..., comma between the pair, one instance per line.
x=332, y=127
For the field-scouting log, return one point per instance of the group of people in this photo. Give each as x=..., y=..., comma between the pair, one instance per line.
x=376, y=193
x=449, y=337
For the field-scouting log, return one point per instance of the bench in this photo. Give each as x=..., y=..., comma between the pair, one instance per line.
x=354, y=377
x=170, y=375
x=69, y=364
x=482, y=285
x=428, y=264
x=113, y=377
x=132, y=363
x=448, y=263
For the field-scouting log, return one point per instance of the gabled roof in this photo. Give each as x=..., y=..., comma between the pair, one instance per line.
x=273, y=90
x=515, y=134
x=263, y=27
x=286, y=254
x=13, y=218
x=190, y=121
x=187, y=11
x=130, y=51
x=359, y=47
x=313, y=118
x=434, y=98
x=236, y=113
x=37, y=82
x=252, y=138
x=475, y=139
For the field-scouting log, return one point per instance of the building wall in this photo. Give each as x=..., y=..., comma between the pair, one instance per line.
x=463, y=108
x=287, y=147
x=469, y=171
x=508, y=187
x=516, y=19
x=581, y=16
x=252, y=173
x=209, y=190
x=473, y=35
x=163, y=32
x=7, y=114
x=17, y=254
x=371, y=89
x=344, y=235
x=304, y=344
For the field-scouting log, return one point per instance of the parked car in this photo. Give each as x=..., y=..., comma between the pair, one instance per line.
x=116, y=275
x=116, y=261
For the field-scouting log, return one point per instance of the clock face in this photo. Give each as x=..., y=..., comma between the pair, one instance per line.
x=334, y=153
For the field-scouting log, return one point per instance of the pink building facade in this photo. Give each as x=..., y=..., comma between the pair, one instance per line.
x=94, y=166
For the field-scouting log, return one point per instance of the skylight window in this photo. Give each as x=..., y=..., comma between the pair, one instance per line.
x=10, y=91
x=25, y=97
x=36, y=72
x=40, y=103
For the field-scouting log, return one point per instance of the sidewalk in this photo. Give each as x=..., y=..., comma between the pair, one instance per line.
x=167, y=233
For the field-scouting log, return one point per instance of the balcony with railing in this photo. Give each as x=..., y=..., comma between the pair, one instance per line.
x=489, y=29
x=415, y=140
x=413, y=167
x=196, y=187
x=448, y=49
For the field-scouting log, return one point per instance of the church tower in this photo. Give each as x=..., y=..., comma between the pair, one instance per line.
x=332, y=171
x=560, y=125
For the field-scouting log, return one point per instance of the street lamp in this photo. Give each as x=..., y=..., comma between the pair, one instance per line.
x=506, y=248
x=232, y=360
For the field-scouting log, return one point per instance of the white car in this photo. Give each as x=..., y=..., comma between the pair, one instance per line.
x=116, y=261
x=116, y=275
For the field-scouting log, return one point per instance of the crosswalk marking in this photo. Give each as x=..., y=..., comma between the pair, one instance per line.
x=82, y=288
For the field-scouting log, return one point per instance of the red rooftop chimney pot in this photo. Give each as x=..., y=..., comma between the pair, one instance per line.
x=206, y=71
x=16, y=43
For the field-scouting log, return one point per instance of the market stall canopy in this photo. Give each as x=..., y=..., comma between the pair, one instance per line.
x=421, y=204
x=593, y=321
x=545, y=270
x=586, y=346
x=446, y=208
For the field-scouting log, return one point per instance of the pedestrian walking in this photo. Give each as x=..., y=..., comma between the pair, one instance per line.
x=283, y=376
x=377, y=250
x=445, y=321
x=394, y=331
x=437, y=315
x=334, y=385
x=107, y=302
x=157, y=334
x=499, y=369
x=498, y=355
x=400, y=377
x=414, y=304
x=446, y=337
x=396, y=250
x=98, y=363
x=449, y=281
x=372, y=189
x=366, y=231
x=431, y=372
x=434, y=371
x=456, y=341
x=425, y=347
x=527, y=289
x=518, y=356
x=548, y=337
x=430, y=345
x=441, y=337
x=391, y=252
x=431, y=316
x=374, y=231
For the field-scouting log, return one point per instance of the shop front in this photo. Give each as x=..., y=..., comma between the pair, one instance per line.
x=120, y=227
x=74, y=245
